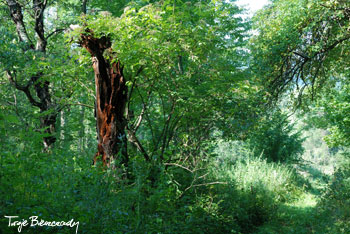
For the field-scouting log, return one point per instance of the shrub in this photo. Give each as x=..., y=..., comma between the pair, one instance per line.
x=276, y=138
x=336, y=200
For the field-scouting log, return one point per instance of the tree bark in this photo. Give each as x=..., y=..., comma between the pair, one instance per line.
x=17, y=17
x=83, y=7
x=111, y=98
x=82, y=129
x=47, y=121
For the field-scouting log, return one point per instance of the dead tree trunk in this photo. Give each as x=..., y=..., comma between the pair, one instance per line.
x=111, y=97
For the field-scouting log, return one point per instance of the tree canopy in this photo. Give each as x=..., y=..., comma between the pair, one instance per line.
x=174, y=116
x=301, y=44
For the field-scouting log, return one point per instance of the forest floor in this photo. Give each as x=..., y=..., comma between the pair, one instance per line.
x=297, y=217
x=302, y=215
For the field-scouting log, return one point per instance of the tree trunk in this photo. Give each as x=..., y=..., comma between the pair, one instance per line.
x=47, y=121
x=83, y=7
x=42, y=90
x=111, y=97
x=82, y=130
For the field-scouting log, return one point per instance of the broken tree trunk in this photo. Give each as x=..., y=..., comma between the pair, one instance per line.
x=111, y=97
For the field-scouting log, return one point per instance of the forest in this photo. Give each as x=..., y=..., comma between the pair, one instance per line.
x=174, y=117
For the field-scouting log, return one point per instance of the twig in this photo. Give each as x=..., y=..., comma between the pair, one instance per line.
x=211, y=183
x=54, y=32
x=80, y=104
x=178, y=165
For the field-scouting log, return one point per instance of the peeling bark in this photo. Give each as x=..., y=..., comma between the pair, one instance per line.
x=111, y=98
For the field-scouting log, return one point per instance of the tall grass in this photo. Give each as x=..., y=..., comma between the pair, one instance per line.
x=249, y=172
x=256, y=187
x=277, y=181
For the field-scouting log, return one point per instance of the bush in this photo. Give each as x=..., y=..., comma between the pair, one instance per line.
x=57, y=187
x=61, y=185
x=276, y=138
x=336, y=200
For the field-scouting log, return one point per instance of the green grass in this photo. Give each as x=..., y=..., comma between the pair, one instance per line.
x=297, y=217
x=322, y=208
x=275, y=180
x=302, y=198
x=254, y=196
x=259, y=189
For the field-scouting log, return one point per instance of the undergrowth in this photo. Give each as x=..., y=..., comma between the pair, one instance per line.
x=235, y=194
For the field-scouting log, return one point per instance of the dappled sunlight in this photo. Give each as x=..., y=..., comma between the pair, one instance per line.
x=175, y=117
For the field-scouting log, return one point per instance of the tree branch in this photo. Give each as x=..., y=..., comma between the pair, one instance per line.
x=133, y=139
x=301, y=55
x=54, y=32
x=80, y=104
x=83, y=7
x=24, y=89
x=178, y=165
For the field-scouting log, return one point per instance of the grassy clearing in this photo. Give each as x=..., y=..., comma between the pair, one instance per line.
x=297, y=217
x=322, y=208
x=275, y=181
x=257, y=196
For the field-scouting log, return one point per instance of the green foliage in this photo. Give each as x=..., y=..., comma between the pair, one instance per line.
x=220, y=158
x=56, y=186
x=276, y=139
x=184, y=65
x=332, y=111
x=336, y=200
x=255, y=188
x=300, y=46
x=331, y=213
x=62, y=185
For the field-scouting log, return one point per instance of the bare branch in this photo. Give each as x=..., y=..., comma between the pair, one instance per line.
x=132, y=89
x=301, y=55
x=211, y=183
x=139, y=119
x=165, y=129
x=134, y=82
x=178, y=165
x=333, y=45
x=133, y=139
x=80, y=104
x=24, y=89
x=39, y=7
x=55, y=32
x=149, y=122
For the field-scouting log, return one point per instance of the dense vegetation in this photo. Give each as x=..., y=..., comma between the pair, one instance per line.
x=175, y=116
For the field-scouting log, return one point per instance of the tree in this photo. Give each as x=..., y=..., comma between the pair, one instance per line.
x=331, y=112
x=111, y=98
x=181, y=62
x=300, y=44
x=34, y=57
x=276, y=138
x=41, y=87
